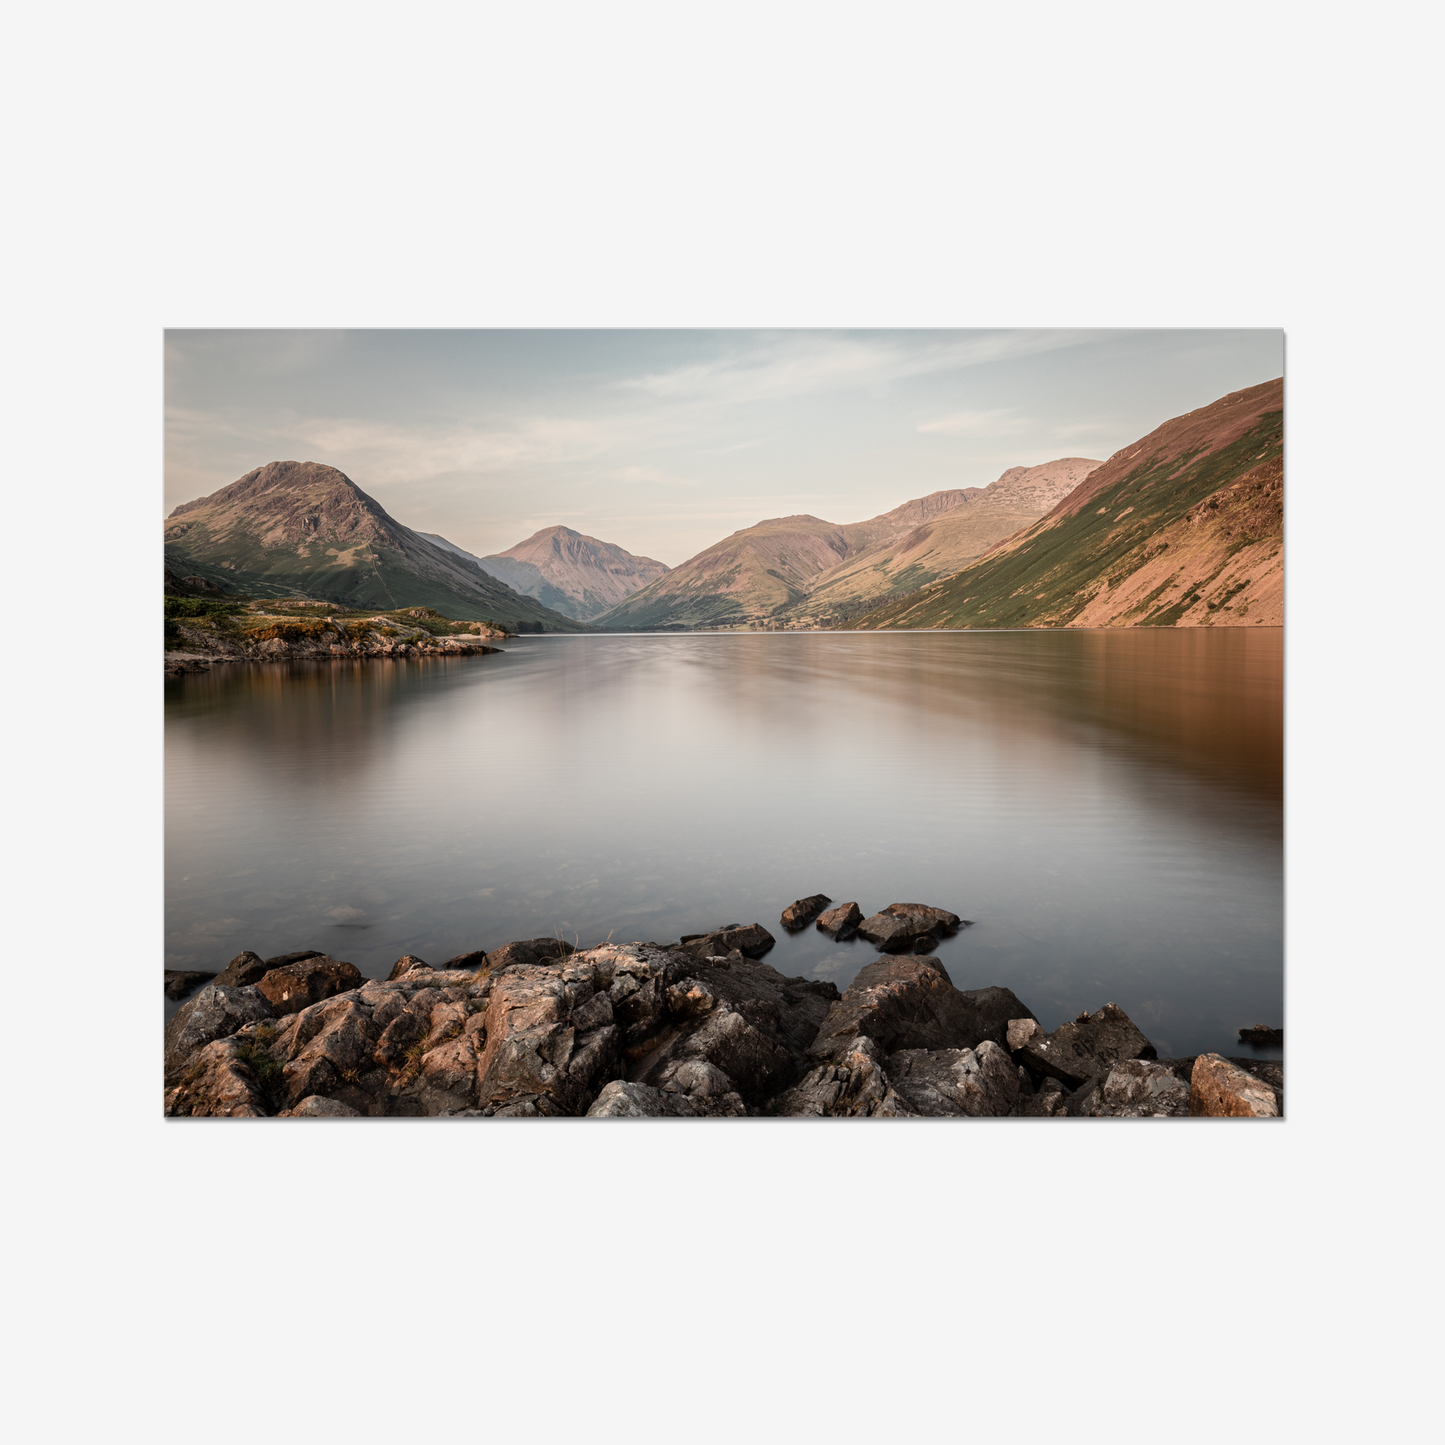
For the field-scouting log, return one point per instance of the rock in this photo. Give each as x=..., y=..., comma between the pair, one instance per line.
x=404, y=966
x=282, y=959
x=215, y=1013
x=1047, y=1102
x=529, y=952
x=910, y=1003
x=295, y=986
x=474, y=960
x=975, y=1083
x=1218, y=1088
x=1262, y=1035
x=841, y=922
x=243, y=970
x=1135, y=1089
x=804, y=911
x=904, y=926
x=217, y=1082
x=621, y=1100
x=1076, y=1051
x=180, y=982
x=752, y=941
x=851, y=1085
x=315, y=1107
x=708, y=1090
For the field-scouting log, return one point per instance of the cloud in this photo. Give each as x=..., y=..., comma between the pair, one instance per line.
x=1000, y=421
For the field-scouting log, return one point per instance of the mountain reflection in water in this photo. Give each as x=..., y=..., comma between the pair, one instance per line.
x=1107, y=806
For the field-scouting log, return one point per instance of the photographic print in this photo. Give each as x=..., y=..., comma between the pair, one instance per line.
x=724, y=724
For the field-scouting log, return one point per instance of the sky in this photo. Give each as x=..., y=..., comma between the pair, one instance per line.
x=666, y=441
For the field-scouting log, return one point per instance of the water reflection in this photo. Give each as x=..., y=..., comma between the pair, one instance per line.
x=1105, y=805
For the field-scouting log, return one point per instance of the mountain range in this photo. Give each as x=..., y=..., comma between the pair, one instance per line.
x=303, y=529
x=804, y=571
x=1184, y=528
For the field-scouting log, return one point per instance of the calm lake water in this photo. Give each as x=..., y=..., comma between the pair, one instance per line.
x=1107, y=806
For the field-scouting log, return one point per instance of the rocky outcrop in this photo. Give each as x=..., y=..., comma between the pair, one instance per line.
x=404, y=966
x=295, y=986
x=1220, y=1088
x=1077, y=1051
x=665, y=1031
x=752, y=941
x=841, y=922
x=902, y=927
x=801, y=914
x=243, y=970
x=911, y=1003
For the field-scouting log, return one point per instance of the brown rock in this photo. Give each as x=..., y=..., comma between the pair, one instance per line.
x=910, y=1003
x=800, y=914
x=180, y=982
x=841, y=922
x=282, y=959
x=752, y=941
x=243, y=970
x=1262, y=1035
x=404, y=965
x=528, y=951
x=216, y=1012
x=1218, y=1088
x=1076, y=1051
x=217, y=1083
x=316, y=1107
x=296, y=986
x=474, y=960
x=904, y=926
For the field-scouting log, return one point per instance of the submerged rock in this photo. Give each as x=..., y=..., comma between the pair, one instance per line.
x=902, y=927
x=800, y=914
x=841, y=922
x=752, y=941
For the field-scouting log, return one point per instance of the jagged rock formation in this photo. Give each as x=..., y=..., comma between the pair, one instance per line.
x=1185, y=528
x=303, y=529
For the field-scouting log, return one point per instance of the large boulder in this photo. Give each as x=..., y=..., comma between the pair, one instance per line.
x=181, y=982
x=911, y=1003
x=851, y=1085
x=296, y=986
x=841, y=922
x=215, y=1013
x=804, y=911
x=243, y=970
x=975, y=1083
x=751, y=940
x=902, y=927
x=529, y=952
x=218, y=1081
x=1133, y=1089
x=1076, y=1051
x=1220, y=1088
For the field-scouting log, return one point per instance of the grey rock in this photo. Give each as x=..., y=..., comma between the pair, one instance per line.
x=1077, y=1051
x=1135, y=1089
x=216, y=1083
x=181, y=982
x=622, y=1100
x=404, y=965
x=316, y=1107
x=804, y=911
x=243, y=970
x=974, y=1083
x=841, y=922
x=1048, y=1101
x=853, y=1084
x=215, y=1013
x=528, y=952
x=752, y=941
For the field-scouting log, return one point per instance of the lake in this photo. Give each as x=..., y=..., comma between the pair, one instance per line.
x=1107, y=806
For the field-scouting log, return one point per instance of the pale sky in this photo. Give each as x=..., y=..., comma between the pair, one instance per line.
x=666, y=441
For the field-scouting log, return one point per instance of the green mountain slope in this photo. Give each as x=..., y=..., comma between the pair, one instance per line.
x=305, y=529
x=1183, y=528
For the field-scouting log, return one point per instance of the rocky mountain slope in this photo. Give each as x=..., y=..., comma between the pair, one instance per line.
x=303, y=529
x=575, y=574
x=1185, y=528
x=940, y=546
x=770, y=573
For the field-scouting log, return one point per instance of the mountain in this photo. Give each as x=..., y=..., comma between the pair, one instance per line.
x=940, y=546
x=305, y=529
x=801, y=569
x=1184, y=528
x=577, y=575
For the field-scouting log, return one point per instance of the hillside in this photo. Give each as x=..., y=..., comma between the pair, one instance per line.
x=1184, y=528
x=802, y=570
x=941, y=546
x=303, y=529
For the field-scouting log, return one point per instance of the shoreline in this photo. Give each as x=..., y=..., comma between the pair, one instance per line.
x=700, y=1028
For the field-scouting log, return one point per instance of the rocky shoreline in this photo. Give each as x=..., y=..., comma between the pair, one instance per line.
x=701, y=1028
